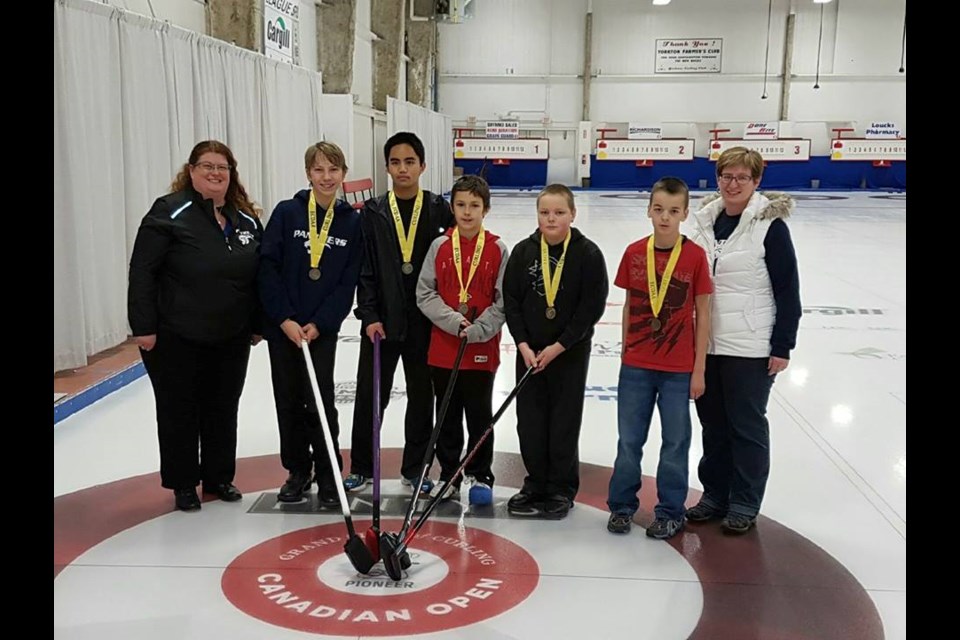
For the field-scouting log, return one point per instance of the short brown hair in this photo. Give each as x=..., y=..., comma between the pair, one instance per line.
x=475, y=185
x=673, y=186
x=557, y=189
x=741, y=157
x=328, y=150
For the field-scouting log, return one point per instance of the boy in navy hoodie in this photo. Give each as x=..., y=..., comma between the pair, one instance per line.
x=309, y=267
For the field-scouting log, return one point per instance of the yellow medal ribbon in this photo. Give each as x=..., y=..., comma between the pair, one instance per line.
x=551, y=285
x=657, y=296
x=406, y=239
x=477, y=253
x=318, y=243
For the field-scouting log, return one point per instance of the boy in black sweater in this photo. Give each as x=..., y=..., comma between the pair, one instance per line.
x=555, y=291
x=398, y=228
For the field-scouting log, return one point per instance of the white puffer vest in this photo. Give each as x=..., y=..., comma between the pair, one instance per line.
x=743, y=310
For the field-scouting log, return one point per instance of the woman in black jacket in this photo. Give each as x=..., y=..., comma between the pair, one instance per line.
x=193, y=307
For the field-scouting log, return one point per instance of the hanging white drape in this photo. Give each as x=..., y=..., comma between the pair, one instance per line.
x=132, y=96
x=436, y=132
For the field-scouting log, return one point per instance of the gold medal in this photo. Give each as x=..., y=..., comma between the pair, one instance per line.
x=407, y=237
x=318, y=241
x=659, y=294
x=551, y=285
x=474, y=263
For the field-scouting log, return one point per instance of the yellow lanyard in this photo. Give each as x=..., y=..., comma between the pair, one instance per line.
x=477, y=253
x=657, y=296
x=406, y=240
x=318, y=243
x=551, y=285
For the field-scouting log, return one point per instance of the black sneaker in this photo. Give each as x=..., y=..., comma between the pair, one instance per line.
x=556, y=507
x=523, y=505
x=703, y=512
x=328, y=495
x=186, y=499
x=295, y=486
x=664, y=528
x=737, y=524
x=619, y=523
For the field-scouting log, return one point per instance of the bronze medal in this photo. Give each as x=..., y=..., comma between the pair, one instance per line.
x=463, y=308
x=407, y=268
x=314, y=274
x=655, y=324
x=551, y=313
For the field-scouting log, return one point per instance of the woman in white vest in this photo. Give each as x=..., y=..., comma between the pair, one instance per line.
x=755, y=314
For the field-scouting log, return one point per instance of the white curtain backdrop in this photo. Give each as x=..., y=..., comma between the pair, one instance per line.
x=132, y=96
x=436, y=131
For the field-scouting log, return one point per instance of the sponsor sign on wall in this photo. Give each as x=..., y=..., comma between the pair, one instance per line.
x=761, y=130
x=689, y=55
x=885, y=129
x=503, y=130
x=637, y=131
x=281, y=30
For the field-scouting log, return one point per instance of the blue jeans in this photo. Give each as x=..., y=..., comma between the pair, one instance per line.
x=638, y=391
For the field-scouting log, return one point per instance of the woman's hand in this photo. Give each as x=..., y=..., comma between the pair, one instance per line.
x=146, y=342
x=776, y=365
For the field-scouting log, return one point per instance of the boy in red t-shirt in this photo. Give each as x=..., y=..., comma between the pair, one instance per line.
x=463, y=273
x=666, y=324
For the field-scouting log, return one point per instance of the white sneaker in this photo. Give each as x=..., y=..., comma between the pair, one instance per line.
x=448, y=491
x=426, y=487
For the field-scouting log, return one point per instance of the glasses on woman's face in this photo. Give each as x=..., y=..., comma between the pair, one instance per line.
x=741, y=179
x=209, y=167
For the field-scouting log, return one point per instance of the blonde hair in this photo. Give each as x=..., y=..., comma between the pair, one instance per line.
x=741, y=157
x=328, y=150
x=557, y=189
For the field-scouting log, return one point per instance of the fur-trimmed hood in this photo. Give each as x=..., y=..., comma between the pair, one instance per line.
x=767, y=205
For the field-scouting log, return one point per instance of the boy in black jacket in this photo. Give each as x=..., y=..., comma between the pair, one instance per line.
x=398, y=228
x=309, y=265
x=555, y=291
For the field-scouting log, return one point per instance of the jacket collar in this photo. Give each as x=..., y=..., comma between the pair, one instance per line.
x=768, y=205
x=575, y=235
x=206, y=204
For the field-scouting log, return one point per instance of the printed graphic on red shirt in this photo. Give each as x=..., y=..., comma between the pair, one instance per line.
x=671, y=347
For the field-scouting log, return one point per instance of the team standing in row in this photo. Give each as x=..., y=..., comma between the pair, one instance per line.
x=711, y=318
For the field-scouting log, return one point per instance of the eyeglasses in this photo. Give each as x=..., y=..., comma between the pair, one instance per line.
x=209, y=167
x=741, y=179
